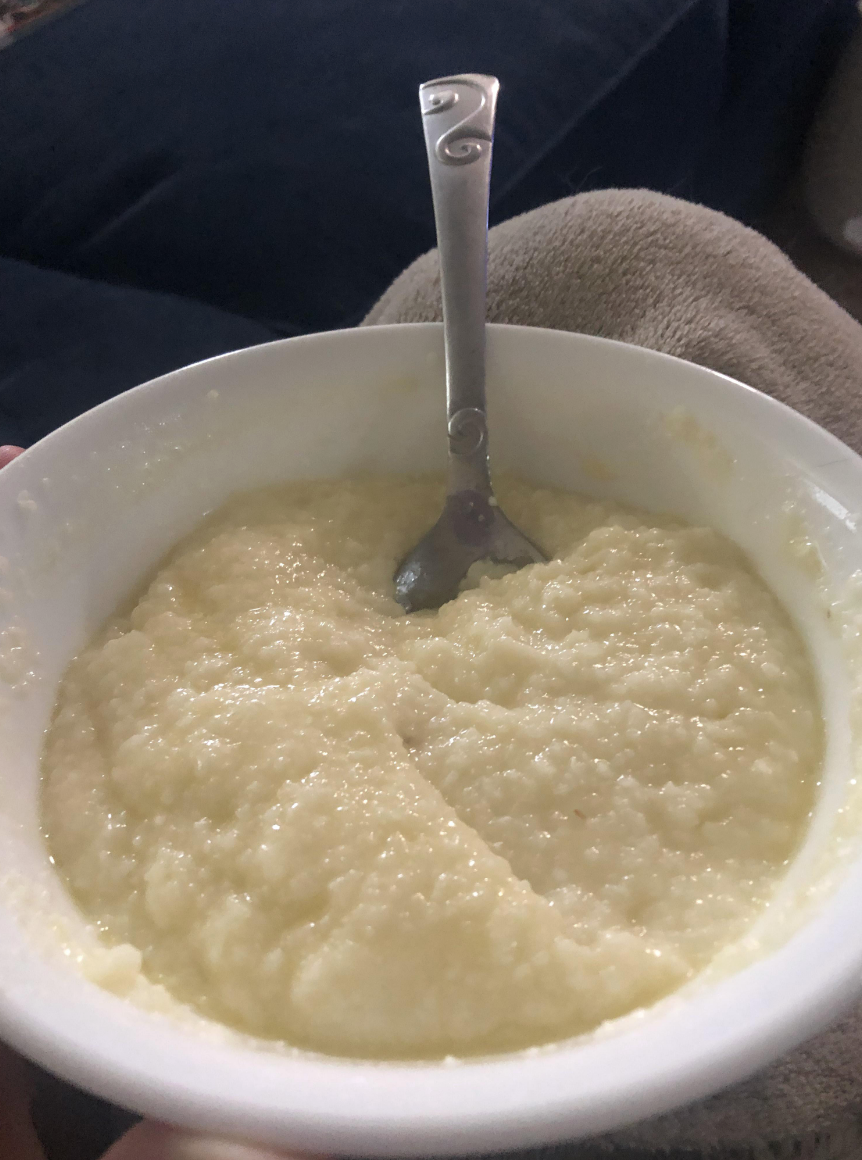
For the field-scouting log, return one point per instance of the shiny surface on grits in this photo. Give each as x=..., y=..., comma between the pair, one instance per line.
x=497, y=825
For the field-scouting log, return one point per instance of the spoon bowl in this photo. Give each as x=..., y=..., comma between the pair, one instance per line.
x=472, y=529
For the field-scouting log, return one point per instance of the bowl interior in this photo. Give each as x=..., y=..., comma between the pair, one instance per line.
x=86, y=514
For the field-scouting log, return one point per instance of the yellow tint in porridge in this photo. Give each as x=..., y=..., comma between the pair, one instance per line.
x=370, y=834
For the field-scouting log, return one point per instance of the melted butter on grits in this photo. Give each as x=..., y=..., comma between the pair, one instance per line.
x=322, y=821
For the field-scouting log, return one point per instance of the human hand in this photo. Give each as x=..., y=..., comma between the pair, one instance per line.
x=8, y=453
x=146, y=1141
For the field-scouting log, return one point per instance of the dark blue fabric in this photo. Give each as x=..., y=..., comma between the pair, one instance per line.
x=714, y=111
x=67, y=344
x=266, y=158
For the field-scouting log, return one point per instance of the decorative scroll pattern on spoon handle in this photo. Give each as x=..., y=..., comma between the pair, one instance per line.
x=468, y=139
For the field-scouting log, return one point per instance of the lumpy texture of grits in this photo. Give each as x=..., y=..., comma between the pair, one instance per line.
x=388, y=836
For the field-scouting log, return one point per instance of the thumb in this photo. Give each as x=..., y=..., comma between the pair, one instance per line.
x=149, y=1141
x=8, y=453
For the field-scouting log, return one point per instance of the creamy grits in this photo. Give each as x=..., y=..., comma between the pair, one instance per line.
x=321, y=821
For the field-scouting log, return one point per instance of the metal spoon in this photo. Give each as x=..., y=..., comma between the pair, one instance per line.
x=458, y=117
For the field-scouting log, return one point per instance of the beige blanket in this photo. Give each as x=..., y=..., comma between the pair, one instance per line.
x=679, y=278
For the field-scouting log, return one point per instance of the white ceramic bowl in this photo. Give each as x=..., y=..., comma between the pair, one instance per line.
x=86, y=513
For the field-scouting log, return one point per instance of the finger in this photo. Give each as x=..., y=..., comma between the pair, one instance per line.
x=150, y=1141
x=18, y=1139
x=8, y=452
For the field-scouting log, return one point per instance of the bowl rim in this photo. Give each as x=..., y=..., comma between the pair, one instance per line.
x=526, y=1103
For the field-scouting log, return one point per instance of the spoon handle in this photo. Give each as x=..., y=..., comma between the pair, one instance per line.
x=458, y=117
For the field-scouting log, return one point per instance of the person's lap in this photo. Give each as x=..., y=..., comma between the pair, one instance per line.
x=272, y=165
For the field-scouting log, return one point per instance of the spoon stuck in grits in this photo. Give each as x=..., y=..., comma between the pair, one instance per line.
x=458, y=115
